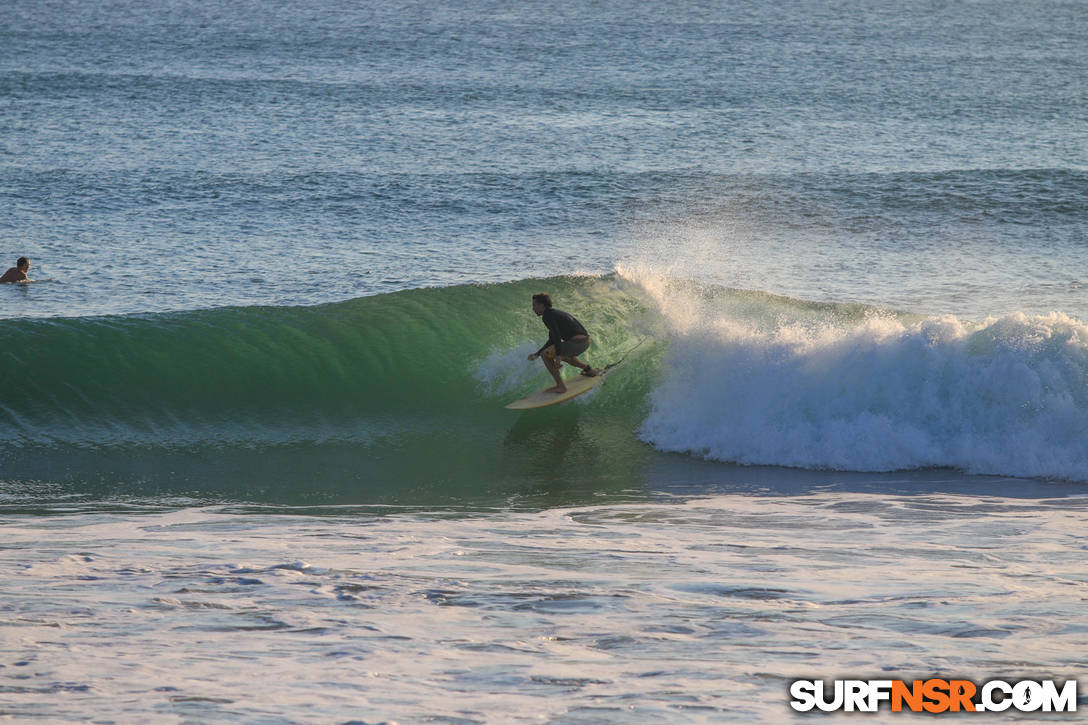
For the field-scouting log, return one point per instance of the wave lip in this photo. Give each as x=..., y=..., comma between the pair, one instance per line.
x=871, y=391
x=291, y=371
x=380, y=386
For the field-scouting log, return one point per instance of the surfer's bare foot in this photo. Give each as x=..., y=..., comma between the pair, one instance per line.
x=557, y=389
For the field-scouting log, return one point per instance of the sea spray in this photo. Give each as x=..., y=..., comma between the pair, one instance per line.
x=754, y=380
x=409, y=387
x=505, y=372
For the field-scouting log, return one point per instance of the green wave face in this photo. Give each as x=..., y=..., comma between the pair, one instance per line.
x=394, y=398
x=398, y=399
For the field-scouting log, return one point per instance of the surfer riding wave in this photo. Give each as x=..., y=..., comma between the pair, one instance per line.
x=567, y=339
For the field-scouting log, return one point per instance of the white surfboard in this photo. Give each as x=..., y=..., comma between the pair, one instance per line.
x=577, y=385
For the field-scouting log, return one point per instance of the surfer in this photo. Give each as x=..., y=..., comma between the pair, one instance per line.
x=567, y=339
x=18, y=272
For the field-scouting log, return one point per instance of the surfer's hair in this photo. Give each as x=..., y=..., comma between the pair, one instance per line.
x=543, y=299
x=22, y=262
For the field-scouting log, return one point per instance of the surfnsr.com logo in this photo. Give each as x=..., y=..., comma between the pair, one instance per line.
x=933, y=696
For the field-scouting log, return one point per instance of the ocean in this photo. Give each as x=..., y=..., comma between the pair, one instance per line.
x=254, y=460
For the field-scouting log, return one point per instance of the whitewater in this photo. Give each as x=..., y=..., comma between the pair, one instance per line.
x=254, y=461
x=728, y=375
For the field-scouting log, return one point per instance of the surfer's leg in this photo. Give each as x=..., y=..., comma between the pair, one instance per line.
x=552, y=363
x=570, y=352
x=586, y=368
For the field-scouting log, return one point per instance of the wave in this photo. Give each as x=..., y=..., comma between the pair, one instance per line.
x=256, y=374
x=406, y=390
x=755, y=379
x=368, y=397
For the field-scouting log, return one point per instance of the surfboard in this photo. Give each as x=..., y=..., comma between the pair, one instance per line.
x=578, y=385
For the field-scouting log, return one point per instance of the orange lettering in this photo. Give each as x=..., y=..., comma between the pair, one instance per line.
x=936, y=691
x=961, y=693
x=911, y=695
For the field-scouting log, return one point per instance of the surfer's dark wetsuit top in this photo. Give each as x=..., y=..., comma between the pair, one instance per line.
x=561, y=326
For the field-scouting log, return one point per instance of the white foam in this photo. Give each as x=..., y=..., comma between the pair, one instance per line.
x=507, y=371
x=755, y=383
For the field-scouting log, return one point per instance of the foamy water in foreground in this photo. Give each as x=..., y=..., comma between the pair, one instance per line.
x=698, y=610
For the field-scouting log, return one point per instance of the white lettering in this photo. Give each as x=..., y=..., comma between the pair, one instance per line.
x=1065, y=701
x=1027, y=696
x=856, y=696
x=880, y=691
x=993, y=696
x=821, y=697
x=988, y=701
x=804, y=695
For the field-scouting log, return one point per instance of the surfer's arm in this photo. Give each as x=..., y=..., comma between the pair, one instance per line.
x=554, y=337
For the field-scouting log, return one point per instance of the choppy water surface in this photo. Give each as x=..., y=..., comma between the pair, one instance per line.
x=166, y=156
x=696, y=610
x=254, y=465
